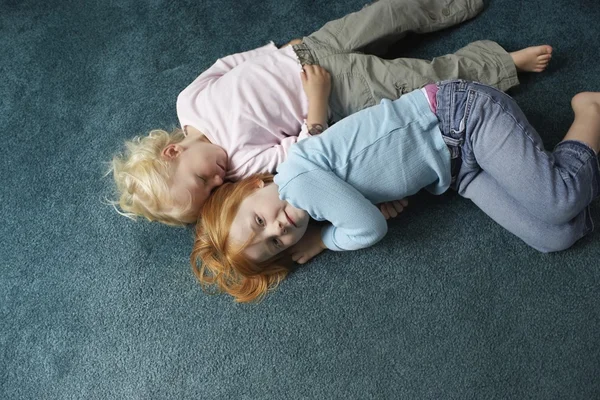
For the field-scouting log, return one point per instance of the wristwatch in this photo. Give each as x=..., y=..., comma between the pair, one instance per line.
x=315, y=129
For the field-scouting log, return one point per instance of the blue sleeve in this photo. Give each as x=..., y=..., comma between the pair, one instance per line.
x=355, y=222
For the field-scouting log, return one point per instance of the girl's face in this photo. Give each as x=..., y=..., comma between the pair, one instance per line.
x=275, y=224
x=198, y=168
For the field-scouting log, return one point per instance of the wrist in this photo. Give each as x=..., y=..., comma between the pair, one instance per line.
x=317, y=100
x=317, y=114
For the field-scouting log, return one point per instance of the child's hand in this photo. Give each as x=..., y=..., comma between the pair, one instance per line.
x=309, y=246
x=391, y=209
x=316, y=82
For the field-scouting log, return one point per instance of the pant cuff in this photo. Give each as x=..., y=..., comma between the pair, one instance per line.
x=510, y=78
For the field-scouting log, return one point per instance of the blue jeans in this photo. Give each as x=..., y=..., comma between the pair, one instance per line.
x=499, y=162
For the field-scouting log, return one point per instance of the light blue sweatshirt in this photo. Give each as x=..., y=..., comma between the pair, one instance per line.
x=383, y=153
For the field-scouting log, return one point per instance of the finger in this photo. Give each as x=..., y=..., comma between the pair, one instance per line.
x=302, y=258
x=387, y=210
x=308, y=68
x=397, y=206
x=392, y=210
x=323, y=73
x=306, y=258
x=404, y=202
x=383, y=210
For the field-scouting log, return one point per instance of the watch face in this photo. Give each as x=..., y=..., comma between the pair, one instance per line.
x=315, y=129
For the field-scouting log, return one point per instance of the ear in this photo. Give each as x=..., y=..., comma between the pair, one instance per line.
x=171, y=152
x=260, y=183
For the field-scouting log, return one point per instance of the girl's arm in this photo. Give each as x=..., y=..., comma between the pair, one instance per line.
x=355, y=222
x=317, y=86
x=265, y=161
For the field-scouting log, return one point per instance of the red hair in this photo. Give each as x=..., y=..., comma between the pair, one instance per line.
x=216, y=261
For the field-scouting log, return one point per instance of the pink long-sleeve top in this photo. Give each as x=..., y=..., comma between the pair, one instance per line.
x=252, y=104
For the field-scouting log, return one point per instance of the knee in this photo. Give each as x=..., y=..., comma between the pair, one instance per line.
x=558, y=212
x=552, y=247
x=558, y=239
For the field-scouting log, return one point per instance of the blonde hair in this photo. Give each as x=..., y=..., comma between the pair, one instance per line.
x=216, y=261
x=142, y=179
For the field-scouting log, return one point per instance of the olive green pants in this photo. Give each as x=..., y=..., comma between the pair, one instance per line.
x=360, y=80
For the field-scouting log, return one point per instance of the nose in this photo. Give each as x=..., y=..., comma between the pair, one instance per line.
x=279, y=228
x=217, y=181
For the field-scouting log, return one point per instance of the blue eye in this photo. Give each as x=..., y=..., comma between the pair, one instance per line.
x=259, y=221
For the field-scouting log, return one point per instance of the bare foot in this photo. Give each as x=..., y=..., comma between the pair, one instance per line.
x=532, y=59
x=586, y=126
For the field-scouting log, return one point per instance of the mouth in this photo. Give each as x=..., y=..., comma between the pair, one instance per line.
x=291, y=221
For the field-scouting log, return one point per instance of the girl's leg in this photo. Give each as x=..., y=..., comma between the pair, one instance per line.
x=483, y=61
x=586, y=125
x=492, y=199
x=553, y=187
x=386, y=21
x=360, y=80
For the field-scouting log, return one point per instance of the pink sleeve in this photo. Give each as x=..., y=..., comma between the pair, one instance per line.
x=267, y=160
x=303, y=132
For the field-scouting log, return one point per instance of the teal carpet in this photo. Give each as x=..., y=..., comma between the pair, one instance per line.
x=95, y=306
